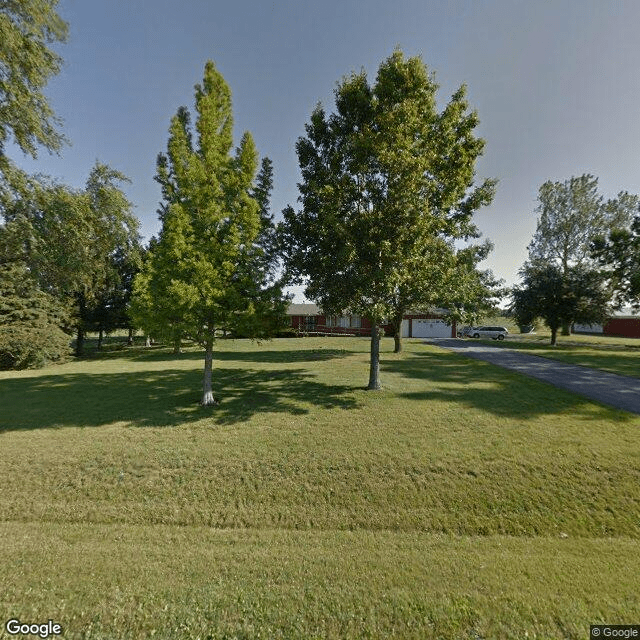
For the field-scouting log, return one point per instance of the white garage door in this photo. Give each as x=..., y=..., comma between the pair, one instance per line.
x=431, y=328
x=405, y=329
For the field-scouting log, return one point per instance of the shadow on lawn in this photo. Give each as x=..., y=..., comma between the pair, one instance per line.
x=481, y=385
x=161, y=354
x=163, y=398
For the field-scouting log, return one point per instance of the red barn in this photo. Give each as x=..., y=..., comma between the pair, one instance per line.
x=309, y=318
x=624, y=323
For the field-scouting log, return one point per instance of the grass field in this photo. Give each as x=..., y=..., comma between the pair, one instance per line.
x=461, y=501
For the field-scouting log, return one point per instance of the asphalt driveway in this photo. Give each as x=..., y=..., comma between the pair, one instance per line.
x=617, y=391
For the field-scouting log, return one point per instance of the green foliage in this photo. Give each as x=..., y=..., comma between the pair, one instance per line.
x=79, y=244
x=618, y=253
x=387, y=183
x=207, y=271
x=31, y=321
x=28, y=28
x=579, y=295
x=572, y=214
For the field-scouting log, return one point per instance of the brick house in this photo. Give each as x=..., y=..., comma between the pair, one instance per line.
x=309, y=318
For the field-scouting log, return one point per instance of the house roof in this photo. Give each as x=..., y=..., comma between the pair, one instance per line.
x=306, y=309
x=625, y=312
x=310, y=309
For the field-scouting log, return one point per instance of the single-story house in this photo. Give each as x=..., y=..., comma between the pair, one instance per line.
x=309, y=318
x=624, y=323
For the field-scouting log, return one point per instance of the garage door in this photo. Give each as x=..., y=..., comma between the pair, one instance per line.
x=431, y=328
x=405, y=329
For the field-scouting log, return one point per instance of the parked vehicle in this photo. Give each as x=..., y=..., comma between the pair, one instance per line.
x=495, y=333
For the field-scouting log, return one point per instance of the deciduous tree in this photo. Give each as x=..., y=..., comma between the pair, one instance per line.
x=204, y=266
x=572, y=215
x=387, y=182
x=618, y=253
x=559, y=298
x=28, y=29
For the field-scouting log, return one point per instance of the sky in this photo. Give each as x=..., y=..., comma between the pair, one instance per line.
x=556, y=86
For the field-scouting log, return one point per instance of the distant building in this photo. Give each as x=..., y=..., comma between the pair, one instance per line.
x=309, y=318
x=624, y=323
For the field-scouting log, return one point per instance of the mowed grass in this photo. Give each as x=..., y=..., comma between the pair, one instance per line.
x=461, y=501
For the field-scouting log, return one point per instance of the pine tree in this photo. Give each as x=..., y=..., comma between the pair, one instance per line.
x=32, y=322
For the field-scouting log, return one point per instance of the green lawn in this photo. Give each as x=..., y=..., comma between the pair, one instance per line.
x=462, y=501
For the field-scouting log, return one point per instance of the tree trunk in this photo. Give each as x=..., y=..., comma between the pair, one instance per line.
x=566, y=329
x=396, y=323
x=147, y=342
x=207, y=394
x=554, y=333
x=130, y=339
x=82, y=308
x=177, y=345
x=374, y=367
x=80, y=341
x=100, y=337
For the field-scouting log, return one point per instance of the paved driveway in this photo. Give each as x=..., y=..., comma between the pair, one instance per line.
x=617, y=391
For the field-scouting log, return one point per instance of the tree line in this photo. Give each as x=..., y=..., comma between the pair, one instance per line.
x=384, y=222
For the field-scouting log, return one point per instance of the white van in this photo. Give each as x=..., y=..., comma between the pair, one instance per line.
x=495, y=333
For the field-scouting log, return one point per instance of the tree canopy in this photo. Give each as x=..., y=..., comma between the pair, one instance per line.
x=28, y=29
x=387, y=183
x=559, y=298
x=572, y=214
x=72, y=240
x=618, y=254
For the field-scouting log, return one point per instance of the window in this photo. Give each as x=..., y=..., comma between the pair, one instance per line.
x=343, y=322
x=310, y=323
x=356, y=323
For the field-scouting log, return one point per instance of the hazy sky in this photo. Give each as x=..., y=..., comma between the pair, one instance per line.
x=556, y=85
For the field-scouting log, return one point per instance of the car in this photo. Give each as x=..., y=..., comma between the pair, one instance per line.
x=495, y=333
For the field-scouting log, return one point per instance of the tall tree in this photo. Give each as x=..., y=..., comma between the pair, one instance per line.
x=572, y=215
x=72, y=238
x=618, y=253
x=28, y=29
x=578, y=295
x=387, y=181
x=204, y=263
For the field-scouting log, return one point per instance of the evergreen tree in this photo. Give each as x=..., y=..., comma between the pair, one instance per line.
x=32, y=322
x=387, y=183
x=201, y=275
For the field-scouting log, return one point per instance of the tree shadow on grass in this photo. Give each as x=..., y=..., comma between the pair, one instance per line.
x=160, y=354
x=481, y=385
x=161, y=398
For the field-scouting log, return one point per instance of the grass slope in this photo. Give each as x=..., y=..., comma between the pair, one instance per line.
x=460, y=502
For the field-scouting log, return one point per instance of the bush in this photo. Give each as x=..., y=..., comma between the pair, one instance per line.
x=32, y=347
x=31, y=321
